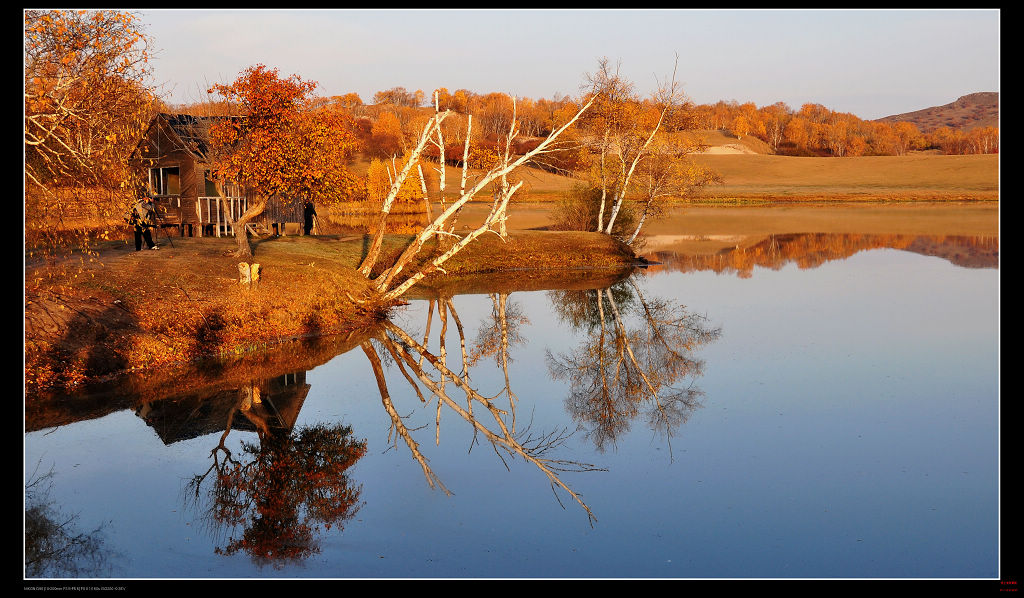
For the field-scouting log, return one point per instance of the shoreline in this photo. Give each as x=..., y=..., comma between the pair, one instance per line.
x=134, y=311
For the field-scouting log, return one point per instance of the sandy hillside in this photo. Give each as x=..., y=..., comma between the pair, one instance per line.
x=731, y=148
x=721, y=143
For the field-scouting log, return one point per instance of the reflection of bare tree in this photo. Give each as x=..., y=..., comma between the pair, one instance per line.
x=491, y=420
x=619, y=373
x=497, y=336
x=284, y=488
x=53, y=546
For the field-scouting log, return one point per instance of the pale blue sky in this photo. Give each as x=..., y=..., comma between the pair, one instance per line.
x=871, y=63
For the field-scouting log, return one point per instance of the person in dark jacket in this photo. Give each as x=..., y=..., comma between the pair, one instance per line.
x=308, y=214
x=143, y=219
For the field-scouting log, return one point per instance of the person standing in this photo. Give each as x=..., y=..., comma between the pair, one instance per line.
x=308, y=214
x=143, y=219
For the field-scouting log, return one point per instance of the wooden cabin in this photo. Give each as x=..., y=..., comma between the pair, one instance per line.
x=174, y=152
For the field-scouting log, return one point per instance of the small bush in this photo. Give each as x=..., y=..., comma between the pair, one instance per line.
x=579, y=207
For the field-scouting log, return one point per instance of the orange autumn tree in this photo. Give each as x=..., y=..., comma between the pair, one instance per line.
x=87, y=98
x=87, y=95
x=635, y=163
x=280, y=145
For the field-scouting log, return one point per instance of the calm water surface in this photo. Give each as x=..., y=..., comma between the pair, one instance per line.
x=805, y=413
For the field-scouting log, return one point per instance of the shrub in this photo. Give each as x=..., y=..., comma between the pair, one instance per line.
x=579, y=207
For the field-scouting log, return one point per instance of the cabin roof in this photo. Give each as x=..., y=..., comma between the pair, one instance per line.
x=188, y=132
x=191, y=130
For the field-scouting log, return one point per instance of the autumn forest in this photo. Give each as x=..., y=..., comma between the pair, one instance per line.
x=89, y=98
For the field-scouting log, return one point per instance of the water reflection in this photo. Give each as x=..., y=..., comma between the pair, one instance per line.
x=54, y=547
x=635, y=356
x=409, y=222
x=280, y=492
x=492, y=416
x=277, y=487
x=619, y=373
x=265, y=406
x=810, y=250
x=797, y=393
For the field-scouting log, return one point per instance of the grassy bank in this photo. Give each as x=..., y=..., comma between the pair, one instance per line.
x=127, y=310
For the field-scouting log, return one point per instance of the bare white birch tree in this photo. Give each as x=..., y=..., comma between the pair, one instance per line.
x=625, y=135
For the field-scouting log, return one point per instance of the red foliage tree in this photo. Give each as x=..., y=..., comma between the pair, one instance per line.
x=279, y=146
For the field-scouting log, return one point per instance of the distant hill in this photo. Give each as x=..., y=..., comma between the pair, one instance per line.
x=966, y=113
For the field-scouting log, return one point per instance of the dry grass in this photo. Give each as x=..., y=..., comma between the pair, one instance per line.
x=917, y=176
x=129, y=310
x=132, y=309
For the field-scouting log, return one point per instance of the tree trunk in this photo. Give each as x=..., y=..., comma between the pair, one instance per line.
x=244, y=246
x=639, y=225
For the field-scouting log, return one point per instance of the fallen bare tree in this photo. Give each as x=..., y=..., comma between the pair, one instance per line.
x=390, y=282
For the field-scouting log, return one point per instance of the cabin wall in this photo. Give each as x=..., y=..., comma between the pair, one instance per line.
x=181, y=208
x=279, y=210
x=186, y=210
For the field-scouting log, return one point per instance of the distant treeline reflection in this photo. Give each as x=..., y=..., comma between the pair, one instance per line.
x=810, y=250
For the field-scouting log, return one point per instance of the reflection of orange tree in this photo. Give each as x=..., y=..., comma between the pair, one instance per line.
x=493, y=422
x=293, y=484
x=617, y=371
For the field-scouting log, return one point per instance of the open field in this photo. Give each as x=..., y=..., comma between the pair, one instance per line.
x=916, y=176
x=751, y=175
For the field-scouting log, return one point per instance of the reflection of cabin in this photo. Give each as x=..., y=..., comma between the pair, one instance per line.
x=175, y=152
x=194, y=415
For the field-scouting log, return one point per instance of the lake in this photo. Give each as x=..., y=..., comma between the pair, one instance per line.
x=786, y=404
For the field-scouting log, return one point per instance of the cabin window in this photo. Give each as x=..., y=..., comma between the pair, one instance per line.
x=165, y=181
